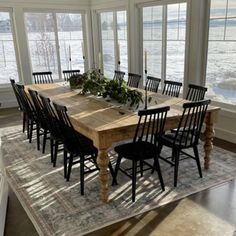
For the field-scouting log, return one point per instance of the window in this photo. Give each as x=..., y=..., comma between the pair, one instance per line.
x=8, y=65
x=164, y=30
x=114, y=41
x=48, y=32
x=221, y=70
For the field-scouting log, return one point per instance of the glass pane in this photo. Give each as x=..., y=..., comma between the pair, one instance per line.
x=230, y=29
x=175, y=53
x=152, y=39
x=231, y=8
x=175, y=60
x=122, y=40
x=108, y=43
x=154, y=56
x=41, y=40
x=216, y=30
x=221, y=71
x=8, y=64
x=70, y=37
x=152, y=23
x=218, y=8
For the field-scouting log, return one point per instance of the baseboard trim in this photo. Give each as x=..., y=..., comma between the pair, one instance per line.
x=225, y=135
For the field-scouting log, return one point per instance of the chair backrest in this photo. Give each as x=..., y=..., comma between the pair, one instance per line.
x=39, y=108
x=151, y=124
x=196, y=92
x=69, y=134
x=191, y=121
x=133, y=80
x=51, y=116
x=119, y=75
x=42, y=77
x=13, y=84
x=152, y=84
x=28, y=107
x=171, y=88
x=68, y=73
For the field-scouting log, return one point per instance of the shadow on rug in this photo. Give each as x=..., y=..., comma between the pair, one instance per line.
x=56, y=206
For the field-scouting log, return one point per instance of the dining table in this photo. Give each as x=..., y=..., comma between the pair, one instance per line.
x=106, y=122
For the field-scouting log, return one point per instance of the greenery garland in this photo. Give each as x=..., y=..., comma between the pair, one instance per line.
x=95, y=83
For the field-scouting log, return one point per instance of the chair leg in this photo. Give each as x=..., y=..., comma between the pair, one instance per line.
x=28, y=128
x=24, y=121
x=51, y=148
x=114, y=180
x=134, y=175
x=82, y=175
x=141, y=168
x=30, y=131
x=38, y=136
x=176, y=156
x=197, y=160
x=70, y=166
x=160, y=146
x=65, y=163
x=158, y=169
x=44, y=140
x=55, y=154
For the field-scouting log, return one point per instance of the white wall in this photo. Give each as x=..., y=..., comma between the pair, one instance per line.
x=196, y=49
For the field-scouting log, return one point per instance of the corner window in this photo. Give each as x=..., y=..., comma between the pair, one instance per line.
x=221, y=70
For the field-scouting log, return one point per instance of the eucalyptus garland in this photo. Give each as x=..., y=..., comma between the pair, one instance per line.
x=95, y=83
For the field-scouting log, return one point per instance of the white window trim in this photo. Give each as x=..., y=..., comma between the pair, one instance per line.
x=225, y=106
x=10, y=11
x=54, y=12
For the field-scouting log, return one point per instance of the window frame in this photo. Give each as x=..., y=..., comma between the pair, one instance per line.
x=164, y=3
x=54, y=12
x=98, y=45
x=227, y=106
x=15, y=44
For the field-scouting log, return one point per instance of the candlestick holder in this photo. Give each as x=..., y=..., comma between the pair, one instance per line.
x=146, y=97
x=118, y=66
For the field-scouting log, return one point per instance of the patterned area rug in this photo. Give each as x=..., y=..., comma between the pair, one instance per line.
x=56, y=206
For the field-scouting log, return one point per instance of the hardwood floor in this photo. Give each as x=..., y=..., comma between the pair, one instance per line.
x=210, y=212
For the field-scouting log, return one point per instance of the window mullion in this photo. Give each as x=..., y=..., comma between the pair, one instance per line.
x=164, y=43
x=115, y=39
x=226, y=16
x=57, y=45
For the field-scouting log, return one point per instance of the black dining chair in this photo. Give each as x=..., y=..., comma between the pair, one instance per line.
x=186, y=136
x=119, y=75
x=133, y=80
x=196, y=92
x=77, y=145
x=56, y=135
x=68, y=73
x=41, y=118
x=29, y=109
x=149, y=129
x=172, y=88
x=21, y=108
x=42, y=77
x=152, y=84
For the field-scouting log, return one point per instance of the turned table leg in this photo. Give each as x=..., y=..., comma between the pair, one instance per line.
x=209, y=135
x=103, y=161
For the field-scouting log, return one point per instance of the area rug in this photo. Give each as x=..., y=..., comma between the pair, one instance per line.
x=56, y=206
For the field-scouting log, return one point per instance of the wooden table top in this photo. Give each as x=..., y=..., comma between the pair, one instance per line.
x=94, y=116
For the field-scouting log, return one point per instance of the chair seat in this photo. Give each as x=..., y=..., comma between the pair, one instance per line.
x=137, y=151
x=169, y=139
x=86, y=146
